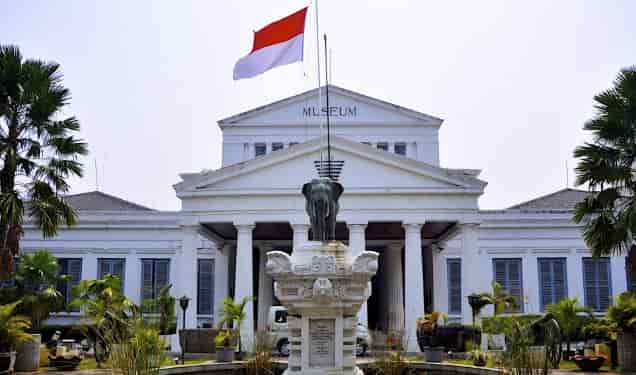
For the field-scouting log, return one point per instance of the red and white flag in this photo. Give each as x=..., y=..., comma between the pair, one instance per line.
x=279, y=43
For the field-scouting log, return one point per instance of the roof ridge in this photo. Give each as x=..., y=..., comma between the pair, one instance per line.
x=137, y=205
x=518, y=205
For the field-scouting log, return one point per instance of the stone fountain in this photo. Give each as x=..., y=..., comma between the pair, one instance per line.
x=323, y=285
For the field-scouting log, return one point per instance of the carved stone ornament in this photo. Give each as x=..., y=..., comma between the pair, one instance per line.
x=367, y=263
x=278, y=262
x=323, y=287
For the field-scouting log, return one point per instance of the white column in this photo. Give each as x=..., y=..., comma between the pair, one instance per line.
x=265, y=288
x=183, y=275
x=89, y=266
x=357, y=244
x=244, y=282
x=301, y=234
x=475, y=279
x=414, y=281
x=221, y=276
x=394, y=301
x=619, y=275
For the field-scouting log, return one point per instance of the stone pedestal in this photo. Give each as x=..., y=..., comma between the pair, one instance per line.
x=323, y=285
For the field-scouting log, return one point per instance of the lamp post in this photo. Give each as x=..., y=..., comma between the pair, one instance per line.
x=183, y=302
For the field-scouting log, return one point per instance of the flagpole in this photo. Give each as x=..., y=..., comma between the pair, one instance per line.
x=318, y=76
x=327, y=105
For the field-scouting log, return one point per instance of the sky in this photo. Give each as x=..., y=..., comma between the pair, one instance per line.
x=514, y=81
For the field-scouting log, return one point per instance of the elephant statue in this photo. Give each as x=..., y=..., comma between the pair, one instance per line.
x=322, y=207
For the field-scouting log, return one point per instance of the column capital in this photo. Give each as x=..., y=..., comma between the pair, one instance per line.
x=244, y=227
x=412, y=227
x=299, y=226
x=356, y=227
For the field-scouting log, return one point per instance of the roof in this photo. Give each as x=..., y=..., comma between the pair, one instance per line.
x=564, y=199
x=334, y=90
x=98, y=201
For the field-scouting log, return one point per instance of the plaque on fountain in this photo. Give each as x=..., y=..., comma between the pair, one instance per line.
x=322, y=350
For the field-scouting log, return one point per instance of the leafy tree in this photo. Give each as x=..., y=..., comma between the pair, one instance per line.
x=499, y=298
x=36, y=284
x=38, y=150
x=107, y=309
x=164, y=304
x=568, y=313
x=12, y=328
x=606, y=165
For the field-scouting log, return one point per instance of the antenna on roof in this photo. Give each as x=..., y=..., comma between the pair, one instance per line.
x=567, y=174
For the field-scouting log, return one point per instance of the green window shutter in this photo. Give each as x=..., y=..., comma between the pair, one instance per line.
x=454, y=276
x=205, y=287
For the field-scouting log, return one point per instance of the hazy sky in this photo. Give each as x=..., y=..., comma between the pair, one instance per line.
x=514, y=80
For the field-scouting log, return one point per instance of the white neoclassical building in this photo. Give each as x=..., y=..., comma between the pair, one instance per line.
x=436, y=246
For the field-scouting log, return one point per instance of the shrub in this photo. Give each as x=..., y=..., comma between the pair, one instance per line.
x=503, y=324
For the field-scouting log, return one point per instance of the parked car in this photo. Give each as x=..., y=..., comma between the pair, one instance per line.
x=278, y=328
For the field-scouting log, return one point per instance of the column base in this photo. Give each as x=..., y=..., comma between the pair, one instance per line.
x=323, y=371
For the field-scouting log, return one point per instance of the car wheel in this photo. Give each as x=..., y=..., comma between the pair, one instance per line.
x=283, y=348
x=361, y=349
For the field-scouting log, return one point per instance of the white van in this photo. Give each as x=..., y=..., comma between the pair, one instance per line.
x=277, y=326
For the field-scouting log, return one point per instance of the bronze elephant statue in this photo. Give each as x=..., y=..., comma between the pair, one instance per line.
x=322, y=207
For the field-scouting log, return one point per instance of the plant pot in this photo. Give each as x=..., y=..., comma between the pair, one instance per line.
x=7, y=360
x=627, y=351
x=433, y=354
x=28, y=355
x=589, y=364
x=479, y=362
x=44, y=356
x=224, y=354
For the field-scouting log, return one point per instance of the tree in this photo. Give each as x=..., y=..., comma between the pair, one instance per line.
x=606, y=165
x=234, y=313
x=38, y=150
x=499, y=298
x=567, y=313
x=36, y=284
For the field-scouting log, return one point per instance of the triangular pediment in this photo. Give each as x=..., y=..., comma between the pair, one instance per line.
x=365, y=169
x=345, y=107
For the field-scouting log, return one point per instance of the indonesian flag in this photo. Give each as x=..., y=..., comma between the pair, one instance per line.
x=279, y=43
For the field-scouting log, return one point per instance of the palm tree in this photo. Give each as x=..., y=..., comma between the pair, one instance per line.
x=606, y=165
x=499, y=298
x=37, y=280
x=38, y=150
x=232, y=313
x=567, y=313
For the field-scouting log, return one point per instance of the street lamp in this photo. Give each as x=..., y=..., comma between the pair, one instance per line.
x=183, y=302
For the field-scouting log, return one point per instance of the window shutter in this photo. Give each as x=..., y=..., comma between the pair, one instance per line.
x=147, y=279
x=205, y=295
x=117, y=268
x=454, y=267
x=589, y=284
x=604, y=287
x=500, y=272
x=75, y=273
x=162, y=275
x=514, y=277
x=559, y=279
x=545, y=280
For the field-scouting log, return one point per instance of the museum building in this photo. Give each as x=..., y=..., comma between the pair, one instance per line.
x=436, y=246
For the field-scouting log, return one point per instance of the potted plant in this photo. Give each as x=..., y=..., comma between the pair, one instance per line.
x=233, y=315
x=427, y=336
x=589, y=363
x=622, y=316
x=12, y=333
x=224, y=345
x=36, y=282
x=479, y=357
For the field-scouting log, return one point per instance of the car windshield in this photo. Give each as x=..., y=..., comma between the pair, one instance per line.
x=280, y=316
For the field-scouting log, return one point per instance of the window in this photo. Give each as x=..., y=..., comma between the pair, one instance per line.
x=454, y=276
x=277, y=146
x=73, y=269
x=552, y=280
x=400, y=148
x=596, y=283
x=280, y=316
x=113, y=267
x=383, y=146
x=631, y=276
x=507, y=272
x=260, y=149
x=205, y=287
x=155, y=274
